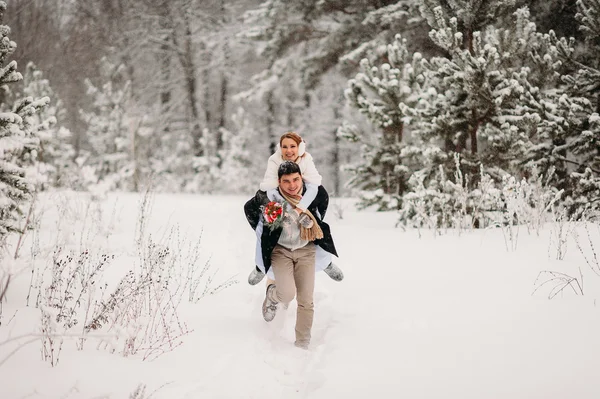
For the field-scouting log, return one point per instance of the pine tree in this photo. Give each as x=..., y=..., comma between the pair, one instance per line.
x=54, y=166
x=17, y=138
x=569, y=128
x=387, y=161
x=586, y=83
x=467, y=16
x=476, y=108
x=111, y=145
x=305, y=40
x=242, y=170
x=469, y=102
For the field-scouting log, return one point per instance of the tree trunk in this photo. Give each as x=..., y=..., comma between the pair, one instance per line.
x=224, y=81
x=392, y=135
x=133, y=127
x=290, y=108
x=461, y=142
x=164, y=59
x=222, y=120
x=473, y=132
x=206, y=56
x=335, y=153
x=191, y=83
x=223, y=103
x=469, y=40
x=77, y=133
x=270, y=122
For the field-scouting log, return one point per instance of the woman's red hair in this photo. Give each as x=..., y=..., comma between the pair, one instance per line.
x=291, y=135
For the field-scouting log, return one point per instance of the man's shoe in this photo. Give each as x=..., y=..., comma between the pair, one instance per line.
x=269, y=307
x=255, y=277
x=334, y=272
x=301, y=344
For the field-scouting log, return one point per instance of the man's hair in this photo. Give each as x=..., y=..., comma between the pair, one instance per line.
x=287, y=168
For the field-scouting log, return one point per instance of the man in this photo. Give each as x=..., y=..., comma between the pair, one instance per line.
x=289, y=249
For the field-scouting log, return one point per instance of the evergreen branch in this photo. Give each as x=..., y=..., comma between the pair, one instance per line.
x=340, y=7
x=583, y=66
x=165, y=43
x=564, y=159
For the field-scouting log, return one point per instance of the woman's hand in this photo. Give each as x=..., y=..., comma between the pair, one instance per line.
x=305, y=221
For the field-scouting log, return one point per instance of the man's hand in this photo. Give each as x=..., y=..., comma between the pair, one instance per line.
x=305, y=221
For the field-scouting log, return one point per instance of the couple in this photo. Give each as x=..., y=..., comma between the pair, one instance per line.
x=290, y=253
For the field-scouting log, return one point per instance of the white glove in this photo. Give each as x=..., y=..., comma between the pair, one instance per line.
x=305, y=221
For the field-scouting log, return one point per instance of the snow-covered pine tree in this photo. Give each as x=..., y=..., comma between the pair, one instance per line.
x=321, y=121
x=387, y=160
x=476, y=108
x=17, y=139
x=110, y=142
x=569, y=128
x=241, y=170
x=585, y=145
x=469, y=102
x=54, y=166
x=316, y=36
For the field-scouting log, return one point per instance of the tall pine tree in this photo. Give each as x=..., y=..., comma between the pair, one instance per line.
x=55, y=166
x=475, y=109
x=111, y=145
x=468, y=102
x=18, y=143
x=377, y=92
x=572, y=126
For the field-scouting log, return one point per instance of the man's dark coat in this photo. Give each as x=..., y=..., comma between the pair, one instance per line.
x=269, y=238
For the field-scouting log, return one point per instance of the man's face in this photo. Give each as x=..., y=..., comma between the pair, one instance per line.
x=291, y=184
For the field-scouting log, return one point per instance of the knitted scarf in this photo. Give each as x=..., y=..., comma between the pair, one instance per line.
x=315, y=232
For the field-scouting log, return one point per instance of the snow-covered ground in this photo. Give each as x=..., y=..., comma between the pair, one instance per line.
x=451, y=316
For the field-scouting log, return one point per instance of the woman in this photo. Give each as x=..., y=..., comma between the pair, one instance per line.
x=293, y=148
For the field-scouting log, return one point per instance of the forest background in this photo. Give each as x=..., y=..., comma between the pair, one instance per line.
x=439, y=109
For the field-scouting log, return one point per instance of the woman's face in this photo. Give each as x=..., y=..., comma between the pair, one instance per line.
x=289, y=149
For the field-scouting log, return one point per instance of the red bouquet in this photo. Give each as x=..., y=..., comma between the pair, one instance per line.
x=273, y=214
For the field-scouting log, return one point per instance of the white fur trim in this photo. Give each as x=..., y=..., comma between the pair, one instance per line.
x=301, y=148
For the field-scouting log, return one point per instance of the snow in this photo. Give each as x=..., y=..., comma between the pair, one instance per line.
x=452, y=316
x=10, y=117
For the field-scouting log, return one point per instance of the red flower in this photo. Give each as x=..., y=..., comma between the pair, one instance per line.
x=273, y=212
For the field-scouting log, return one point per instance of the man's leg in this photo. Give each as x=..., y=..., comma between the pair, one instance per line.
x=304, y=276
x=284, y=288
x=268, y=282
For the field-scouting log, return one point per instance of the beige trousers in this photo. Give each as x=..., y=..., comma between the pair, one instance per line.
x=295, y=276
